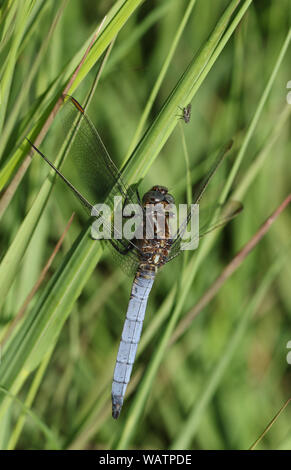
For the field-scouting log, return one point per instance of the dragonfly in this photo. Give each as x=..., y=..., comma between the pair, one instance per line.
x=144, y=256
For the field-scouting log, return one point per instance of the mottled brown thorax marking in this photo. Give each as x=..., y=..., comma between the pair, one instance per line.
x=155, y=251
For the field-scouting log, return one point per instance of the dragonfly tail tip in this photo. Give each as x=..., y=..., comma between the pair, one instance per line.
x=116, y=406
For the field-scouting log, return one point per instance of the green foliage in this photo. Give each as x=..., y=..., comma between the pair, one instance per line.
x=221, y=382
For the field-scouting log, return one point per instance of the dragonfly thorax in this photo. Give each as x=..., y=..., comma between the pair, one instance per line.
x=156, y=244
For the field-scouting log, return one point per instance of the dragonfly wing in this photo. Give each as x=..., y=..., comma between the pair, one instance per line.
x=199, y=193
x=89, y=166
x=209, y=220
x=131, y=332
x=127, y=258
x=88, y=159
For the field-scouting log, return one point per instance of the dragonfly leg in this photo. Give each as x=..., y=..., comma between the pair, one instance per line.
x=174, y=256
x=138, y=197
x=126, y=249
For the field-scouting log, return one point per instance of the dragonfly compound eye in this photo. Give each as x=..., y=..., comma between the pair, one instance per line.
x=160, y=189
x=152, y=197
x=169, y=199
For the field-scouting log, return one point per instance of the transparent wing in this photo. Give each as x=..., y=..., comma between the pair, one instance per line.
x=88, y=164
x=199, y=193
x=128, y=261
x=88, y=161
x=218, y=218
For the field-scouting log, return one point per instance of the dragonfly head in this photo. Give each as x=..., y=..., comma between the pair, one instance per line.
x=158, y=194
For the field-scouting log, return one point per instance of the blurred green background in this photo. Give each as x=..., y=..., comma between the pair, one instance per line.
x=224, y=379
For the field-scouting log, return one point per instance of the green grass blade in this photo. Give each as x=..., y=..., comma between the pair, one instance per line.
x=160, y=78
x=21, y=20
x=186, y=434
x=192, y=267
x=38, y=422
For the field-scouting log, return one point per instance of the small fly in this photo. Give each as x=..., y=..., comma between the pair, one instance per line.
x=186, y=113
